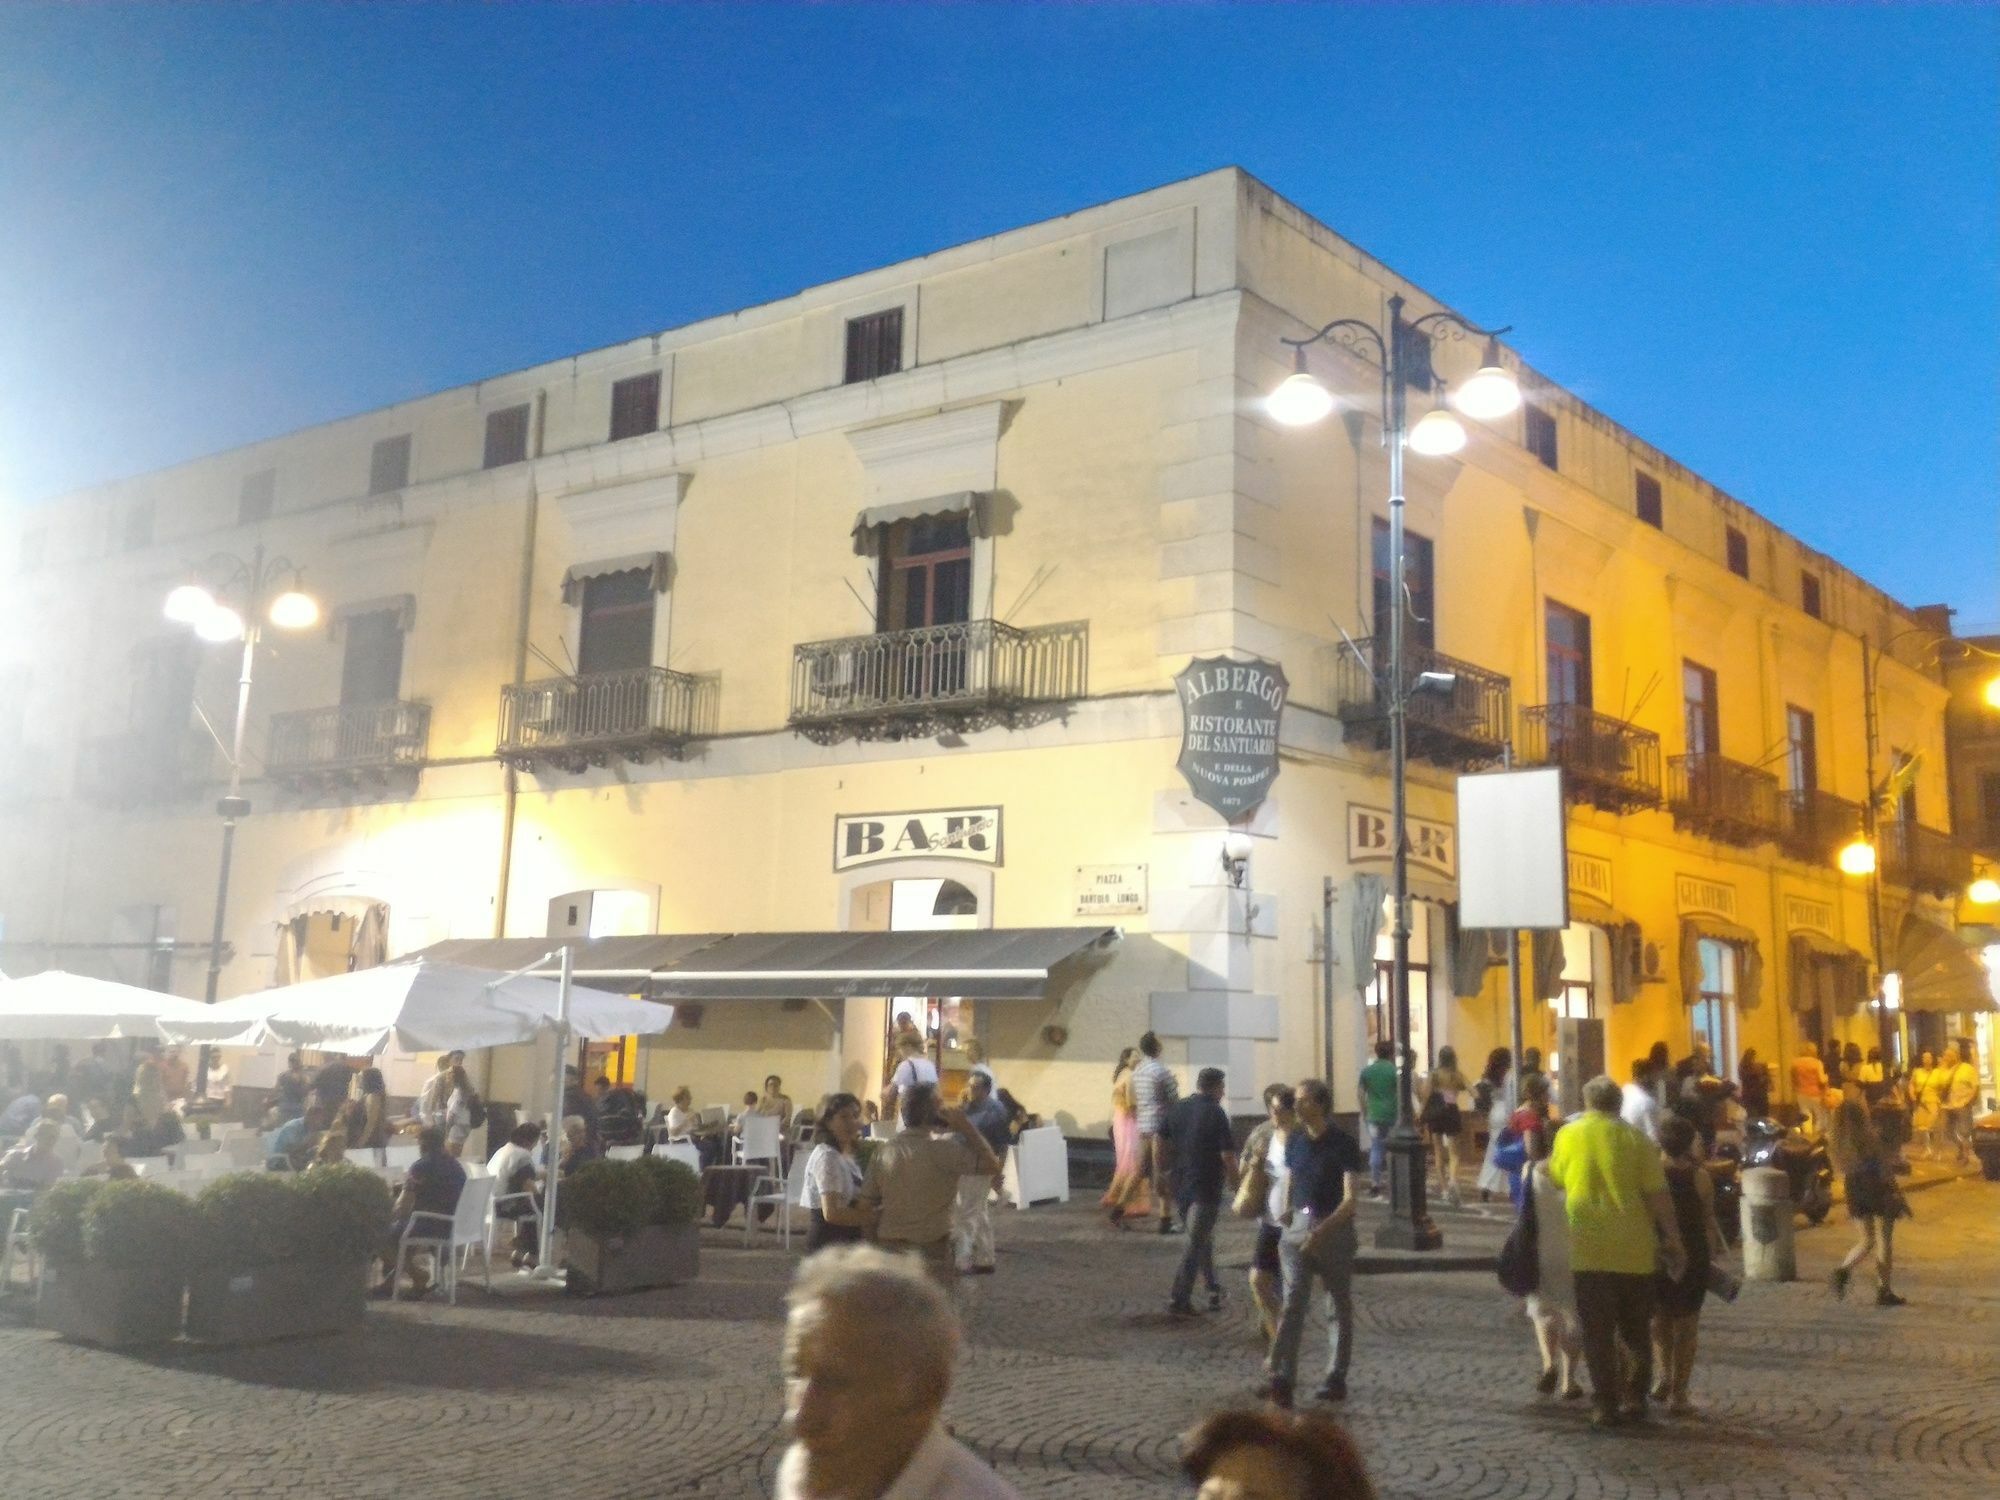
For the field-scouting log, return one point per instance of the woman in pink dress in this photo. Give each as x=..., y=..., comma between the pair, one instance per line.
x=1126, y=1197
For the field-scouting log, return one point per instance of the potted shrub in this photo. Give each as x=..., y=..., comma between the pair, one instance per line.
x=115, y=1261
x=610, y=1213
x=282, y=1255
x=673, y=1239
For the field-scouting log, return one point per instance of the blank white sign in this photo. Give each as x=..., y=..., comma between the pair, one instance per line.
x=1513, y=860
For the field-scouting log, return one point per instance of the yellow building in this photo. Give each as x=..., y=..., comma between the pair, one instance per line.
x=860, y=612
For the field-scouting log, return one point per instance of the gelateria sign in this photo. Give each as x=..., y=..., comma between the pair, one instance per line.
x=964, y=833
x=1229, y=730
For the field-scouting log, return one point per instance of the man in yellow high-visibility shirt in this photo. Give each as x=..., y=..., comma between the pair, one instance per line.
x=1621, y=1230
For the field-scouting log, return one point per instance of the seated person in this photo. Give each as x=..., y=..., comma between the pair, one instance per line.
x=749, y=1108
x=576, y=1146
x=69, y=1145
x=36, y=1162
x=112, y=1164
x=295, y=1139
x=331, y=1150
x=516, y=1172
x=432, y=1187
x=19, y=1115
x=680, y=1120
x=618, y=1111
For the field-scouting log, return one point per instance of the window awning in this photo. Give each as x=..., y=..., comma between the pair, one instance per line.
x=972, y=504
x=634, y=958
x=979, y=964
x=1939, y=971
x=1824, y=971
x=651, y=563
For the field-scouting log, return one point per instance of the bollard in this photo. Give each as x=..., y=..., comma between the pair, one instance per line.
x=1768, y=1253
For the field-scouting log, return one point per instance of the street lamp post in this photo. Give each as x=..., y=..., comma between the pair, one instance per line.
x=1404, y=359
x=202, y=609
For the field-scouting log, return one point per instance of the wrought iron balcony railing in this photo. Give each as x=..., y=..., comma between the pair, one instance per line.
x=349, y=739
x=1818, y=825
x=913, y=682
x=1923, y=859
x=1723, y=798
x=1465, y=724
x=1605, y=762
x=137, y=768
x=574, y=722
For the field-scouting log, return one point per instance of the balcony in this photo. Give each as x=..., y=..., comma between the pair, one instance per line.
x=909, y=683
x=1818, y=825
x=139, y=769
x=1606, y=762
x=1923, y=859
x=1466, y=726
x=352, y=742
x=570, y=723
x=1723, y=799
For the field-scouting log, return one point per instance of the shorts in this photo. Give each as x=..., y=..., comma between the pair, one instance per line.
x=1265, y=1256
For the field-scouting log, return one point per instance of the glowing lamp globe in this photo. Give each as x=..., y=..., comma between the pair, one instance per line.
x=1491, y=391
x=1437, y=434
x=1299, y=401
x=1857, y=858
x=1984, y=891
x=220, y=624
x=187, y=604
x=293, y=610
x=1992, y=693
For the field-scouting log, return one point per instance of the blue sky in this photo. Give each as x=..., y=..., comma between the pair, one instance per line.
x=1762, y=239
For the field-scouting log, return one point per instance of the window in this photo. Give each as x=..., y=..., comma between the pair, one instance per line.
x=1906, y=805
x=1569, y=654
x=138, y=527
x=1646, y=500
x=874, y=345
x=1419, y=628
x=1801, y=749
x=1736, y=546
x=506, y=437
x=372, y=669
x=926, y=576
x=635, y=406
x=389, y=465
x=163, y=687
x=34, y=548
x=1714, y=1014
x=256, y=497
x=1809, y=595
x=1698, y=700
x=1989, y=808
x=1538, y=434
x=617, y=628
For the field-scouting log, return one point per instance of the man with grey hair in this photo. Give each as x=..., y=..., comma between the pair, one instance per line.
x=913, y=1179
x=1621, y=1230
x=863, y=1429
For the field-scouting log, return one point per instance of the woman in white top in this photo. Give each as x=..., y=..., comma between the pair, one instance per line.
x=514, y=1172
x=1552, y=1304
x=457, y=1119
x=1925, y=1091
x=681, y=1118
x=833, y=1176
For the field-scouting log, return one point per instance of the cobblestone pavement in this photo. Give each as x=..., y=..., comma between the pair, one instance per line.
x=1076, y=1385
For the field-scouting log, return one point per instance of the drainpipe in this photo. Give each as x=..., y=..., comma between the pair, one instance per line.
x=510, y=779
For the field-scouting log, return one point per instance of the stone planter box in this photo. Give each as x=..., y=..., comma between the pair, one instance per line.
x=1986, y=1144
x=111, y=1306
x=295, y=1299
x=658, y=1255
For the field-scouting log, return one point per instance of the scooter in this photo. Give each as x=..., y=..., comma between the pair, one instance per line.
x=1725, y=1171
x=1801, y=1158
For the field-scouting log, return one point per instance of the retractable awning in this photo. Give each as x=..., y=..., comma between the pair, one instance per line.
x=978, y=964
x=1939, y=971
x=632, y=958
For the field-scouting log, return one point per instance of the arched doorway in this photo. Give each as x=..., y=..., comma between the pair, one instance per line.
x=916, y=897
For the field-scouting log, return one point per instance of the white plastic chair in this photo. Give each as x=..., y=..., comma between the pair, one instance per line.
x=20, y=1242
x=713, y=1117
x=244, y=1152
x=400, y=1156
x=780, y=1194
x=194, y=1146
x=148, y=1166
x=623, y=1153
x=476, y=1169
x=682, y=1151
x=759, y=1141
x=453, y=1238
x=494, y=1219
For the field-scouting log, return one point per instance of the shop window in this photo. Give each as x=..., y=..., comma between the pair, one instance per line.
x=1809, y=597
x=1801, y=748
x=1382, y=997
x=616, y=631
x=874, y=346
x=1569, y=655
x=389, y=465
x=1700, y=711
x=1714, y=1014
x=1737, y=548
x=371, y=670
x=1419, y=627
x=926, y=574
x=506, y=437
x=1646, y=501
x=635, y=406
x=257, y=496
x=1538, y=433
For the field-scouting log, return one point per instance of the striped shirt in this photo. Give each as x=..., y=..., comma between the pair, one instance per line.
x=1154, y=1093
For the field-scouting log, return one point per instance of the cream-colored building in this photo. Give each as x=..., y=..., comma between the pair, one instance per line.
x=860, y=612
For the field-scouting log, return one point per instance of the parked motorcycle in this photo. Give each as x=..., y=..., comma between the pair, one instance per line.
x=1800, y=1157
x=1725, y=1171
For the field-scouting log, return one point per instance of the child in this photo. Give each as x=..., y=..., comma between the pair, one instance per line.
x=1873, y=1199
x=1678, y=1312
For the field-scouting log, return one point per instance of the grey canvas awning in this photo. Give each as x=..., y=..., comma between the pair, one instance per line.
x=1940, y=972
x=653, y=564
x=634, y=958
x=971, y=504
x=979, y=964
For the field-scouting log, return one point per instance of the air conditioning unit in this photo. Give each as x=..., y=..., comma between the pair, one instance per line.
x=833, y=677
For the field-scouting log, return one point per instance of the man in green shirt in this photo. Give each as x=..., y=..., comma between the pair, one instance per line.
x=1621, y=1229
x=1378, y=1110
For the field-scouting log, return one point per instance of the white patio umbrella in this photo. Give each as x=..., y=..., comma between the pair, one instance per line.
x=55, y=1006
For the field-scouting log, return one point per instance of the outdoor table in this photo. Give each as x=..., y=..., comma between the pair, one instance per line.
x=727, y=1184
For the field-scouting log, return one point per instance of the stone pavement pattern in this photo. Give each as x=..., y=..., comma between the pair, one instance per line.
x=1076, y=1385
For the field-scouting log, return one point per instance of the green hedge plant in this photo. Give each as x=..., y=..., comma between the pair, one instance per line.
x=607, y=1199
x=677, y=1187
x=252, y=1219
x=56, y=1221
x=349, y=1209
x=139, y=1226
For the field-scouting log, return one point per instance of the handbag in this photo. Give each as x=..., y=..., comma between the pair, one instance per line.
x=1255, y=1188
x=1519, y=1266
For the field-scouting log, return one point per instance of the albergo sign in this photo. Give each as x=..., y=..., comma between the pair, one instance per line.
x=1229, y=730
x=967, y=833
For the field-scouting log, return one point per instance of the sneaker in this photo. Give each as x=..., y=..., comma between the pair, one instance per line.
x=1215, y=1299
x=1887, y=1298
x=1547, y=1384
x=1331, y=1390
x=1166, y=1226
x=1660, y=1391
x=1838, y=1281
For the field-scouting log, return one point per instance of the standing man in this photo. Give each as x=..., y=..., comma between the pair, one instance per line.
x=1204, y=1162
x=437, y=1089
x=913, y=1180
x=974, y=1227
x=1154, y=1094
x=1378, y=1109
x=1317, y=1242
x=1809, y=1083
x=1640, y=1100
x=1959, y=1088
x=1621, y=1230
x=912, y=1068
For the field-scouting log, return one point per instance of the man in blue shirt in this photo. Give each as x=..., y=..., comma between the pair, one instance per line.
x=1204, y=1163
x=973, y=1229
x=432, y=1187
x=1317, y=1244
